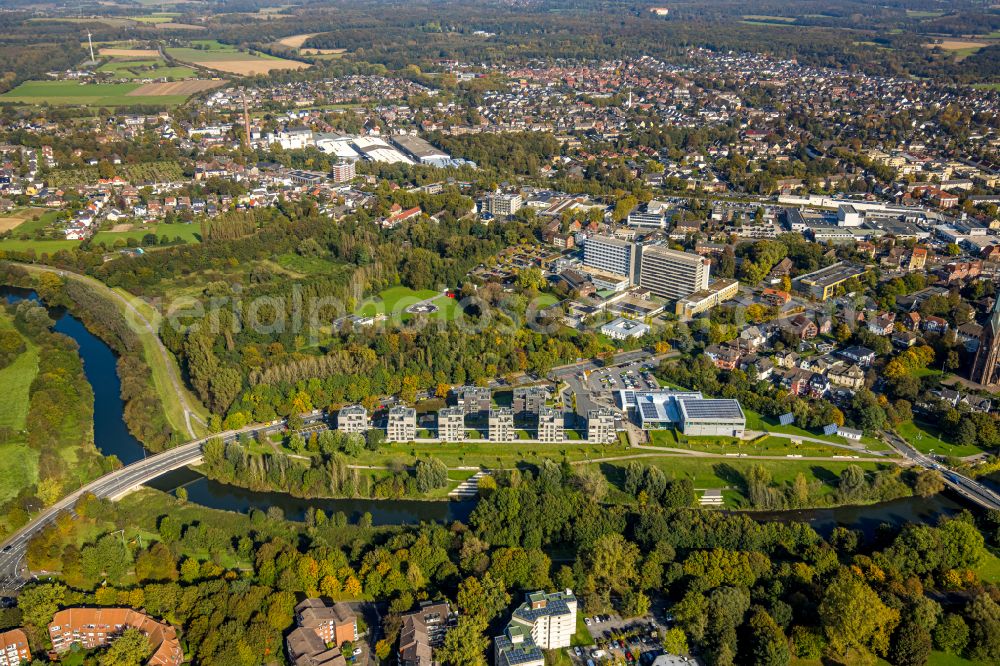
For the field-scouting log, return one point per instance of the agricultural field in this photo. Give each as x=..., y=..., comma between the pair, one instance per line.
x=114, y=52
x=297, y=41
x=211, y=54
x=962, y=48
x=15, y=219
x=72, y=93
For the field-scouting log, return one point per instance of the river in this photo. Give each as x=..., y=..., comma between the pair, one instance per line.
x=113, y=438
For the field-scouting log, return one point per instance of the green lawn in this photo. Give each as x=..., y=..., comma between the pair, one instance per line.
x=16, y=380
x=146, y=69
x=487, y=454
x=214, y=52
x=189, y=232
x=926, y=438
x=63, y=93
x=307, y=265
x=394, y=300
x=40, y=246
x=20, y=469
x=946, y=659
x=582, y=636
x=757, y=421
x=989, y=568
x=764, y=446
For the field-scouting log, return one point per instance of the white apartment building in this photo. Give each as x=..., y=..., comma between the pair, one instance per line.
x=401, y=425
x=451, y=424
x=550, y=618
x=672, y=274
x=352, y=418
x=500, y=204
x=550, y=426
x=601, y=426
x=501, y=425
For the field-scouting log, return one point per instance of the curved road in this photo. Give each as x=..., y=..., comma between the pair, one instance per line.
x=165, y=355
x=110, y=486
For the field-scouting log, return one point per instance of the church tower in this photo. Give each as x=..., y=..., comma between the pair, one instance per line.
x=986, y=368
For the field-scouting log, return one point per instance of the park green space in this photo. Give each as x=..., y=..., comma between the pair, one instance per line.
x=64, y=93
x=926, y=439
x=305, y=265
x=989, y=568
x=762, y=446
x=21, y=468
x=395, y=300
x=487, y=454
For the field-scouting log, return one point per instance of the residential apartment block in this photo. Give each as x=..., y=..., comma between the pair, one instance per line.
x=500, y=204
x=451, y=424
x=529, y=399
x=704, y=300
x=601, y=426
x=423, y=630
x=610, y=254
x=542, y=622
x=97, y=627
x=472, y=399
x=352, y=418
x=401, y=424
x=672, y=274
x=501, y=425
x=334, y=624
x=550, y=425
x=14, y=648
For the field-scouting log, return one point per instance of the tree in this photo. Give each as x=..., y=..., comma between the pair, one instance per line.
x=464, y=645
x=675, y=641
x=39, y=603
x=768, y=643
x=984, y=621
x=482, y=599
x=929, y=482
x=951, y=634
x=129, y=649
x=613, y=562
x=854, y=617
x=911, y=645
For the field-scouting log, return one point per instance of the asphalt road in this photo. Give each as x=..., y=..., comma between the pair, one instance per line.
x=13, y=571
x=971, y=489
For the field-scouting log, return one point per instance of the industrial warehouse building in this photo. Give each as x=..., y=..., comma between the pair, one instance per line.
x=687, y=411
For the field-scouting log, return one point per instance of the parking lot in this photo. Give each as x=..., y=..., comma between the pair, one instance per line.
x=616, y=640
x=633, y=376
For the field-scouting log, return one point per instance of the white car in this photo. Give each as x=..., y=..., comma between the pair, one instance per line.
x=587, y=621
x=357, y=651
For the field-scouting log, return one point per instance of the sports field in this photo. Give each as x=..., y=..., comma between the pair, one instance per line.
x=72, y=93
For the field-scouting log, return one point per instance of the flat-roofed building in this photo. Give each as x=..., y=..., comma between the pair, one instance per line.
x=401, y=424
x=672, y=274
x=706, y=299
x=712, y=418
x=623, y=329
x=352, y=418
x=14, y=648
x=472, y=399
x=610, y=254
x=529, y=399
x=822, y=284
x=549, y=618
x=601, y=426
x=451, y=424
x=343, y=172
x=501, y=204
x=687, y=411
x=97, y=627
x=606, y=281
x=550, y=426
x=501, y=425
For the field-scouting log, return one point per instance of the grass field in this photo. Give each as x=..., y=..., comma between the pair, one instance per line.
x=763, y=446
x=16, y=379
x=71, y=93
x=926, y=438
x=989, y=568
x=189, y=232
x=962, y=48
x=146, y=69
x=18, y=219
x=393, y=300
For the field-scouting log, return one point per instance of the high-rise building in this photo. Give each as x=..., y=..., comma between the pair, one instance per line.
x=672, y=274
x=550, y=426
x=610, y=254
x=401, y=424
x=343, y=172
x=501, y=425
x=451, y=424
x=986, y=367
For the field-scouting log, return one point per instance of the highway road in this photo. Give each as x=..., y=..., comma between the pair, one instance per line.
x=968, y=488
